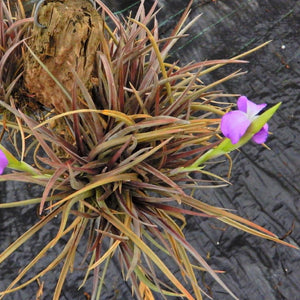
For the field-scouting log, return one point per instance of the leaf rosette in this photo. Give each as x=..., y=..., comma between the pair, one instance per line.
x=116, y=160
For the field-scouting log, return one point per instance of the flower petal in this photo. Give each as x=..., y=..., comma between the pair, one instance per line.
x=242, y=103
x=249, y=107
x=3, y=161
x=261, y=136
x=234, y=125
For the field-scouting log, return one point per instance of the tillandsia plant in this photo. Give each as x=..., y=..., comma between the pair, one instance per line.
x=117, y=154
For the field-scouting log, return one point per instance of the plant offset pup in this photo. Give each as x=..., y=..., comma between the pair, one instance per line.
x=117, y=154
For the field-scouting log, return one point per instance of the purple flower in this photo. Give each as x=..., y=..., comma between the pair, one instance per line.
x=3, y=162
x=235, y=123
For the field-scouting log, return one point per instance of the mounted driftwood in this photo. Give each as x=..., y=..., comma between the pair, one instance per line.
x=67, y=39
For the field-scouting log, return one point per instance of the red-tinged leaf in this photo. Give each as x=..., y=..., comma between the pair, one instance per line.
x=161, y=176
x=235, y=220
x=50, y=185
x=98, y=183
x=146, y=250
x=169, y=208
x=200, y=65
x=6, y=56
x=177, y=236
x=42, y=134
x=128, y=211
x=21, y=177
x=112, y=92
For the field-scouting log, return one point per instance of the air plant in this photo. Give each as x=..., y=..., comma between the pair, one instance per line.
x=118, y=162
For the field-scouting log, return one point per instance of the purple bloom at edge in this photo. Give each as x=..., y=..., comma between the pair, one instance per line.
x=3, y=162
x=235, y=123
